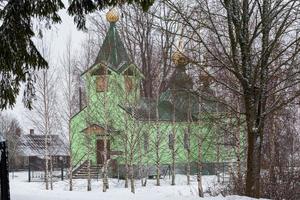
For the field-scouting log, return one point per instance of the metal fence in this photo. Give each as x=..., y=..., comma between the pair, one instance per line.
x=221, y=169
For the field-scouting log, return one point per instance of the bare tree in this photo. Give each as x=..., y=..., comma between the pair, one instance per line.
x=44, y=115
x=11, y=129
x=254, y=41
x=68, y=64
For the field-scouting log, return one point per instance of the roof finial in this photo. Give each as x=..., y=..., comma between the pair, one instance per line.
x=112, y=15
x=180, y=44
x=179, y=59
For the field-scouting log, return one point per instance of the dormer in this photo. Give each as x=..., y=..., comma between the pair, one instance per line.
x=101, y=74
x=132, y=76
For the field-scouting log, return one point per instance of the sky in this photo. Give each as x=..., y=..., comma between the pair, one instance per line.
x=59, y=34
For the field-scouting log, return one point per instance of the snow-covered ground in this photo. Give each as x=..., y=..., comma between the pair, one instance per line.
x=21, y=189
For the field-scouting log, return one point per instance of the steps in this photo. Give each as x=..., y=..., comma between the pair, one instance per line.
x=82, y=171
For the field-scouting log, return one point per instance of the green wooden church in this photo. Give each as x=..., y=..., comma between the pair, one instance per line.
x=124, y=128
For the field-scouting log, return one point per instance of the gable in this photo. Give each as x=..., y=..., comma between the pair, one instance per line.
x=94, y=129
x=131, y=70
x=97, y=129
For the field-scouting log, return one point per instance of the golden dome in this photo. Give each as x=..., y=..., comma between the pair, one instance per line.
x=112, y=15
x=179, y=58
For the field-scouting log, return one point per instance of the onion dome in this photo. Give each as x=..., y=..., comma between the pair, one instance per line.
x=179, y=59
x=112, y=15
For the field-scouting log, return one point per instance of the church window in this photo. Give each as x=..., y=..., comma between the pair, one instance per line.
x=146, y=141
x=186, y=139
x=128, y=78
x=101, y=83
x=171, y=140
x=128, y=83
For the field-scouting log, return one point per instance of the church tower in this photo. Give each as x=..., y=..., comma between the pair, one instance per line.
x=113, y=71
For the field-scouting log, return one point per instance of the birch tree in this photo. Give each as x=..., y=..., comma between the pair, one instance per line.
x=68, y=64
x=44, y=115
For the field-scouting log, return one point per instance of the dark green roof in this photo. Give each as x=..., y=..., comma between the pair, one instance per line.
x=176, y=103
x=113, y=52
x=168, y=110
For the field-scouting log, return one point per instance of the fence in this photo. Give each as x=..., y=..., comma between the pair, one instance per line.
x=221, y=169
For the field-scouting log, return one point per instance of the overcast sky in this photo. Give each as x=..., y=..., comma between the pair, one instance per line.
x=59, y=34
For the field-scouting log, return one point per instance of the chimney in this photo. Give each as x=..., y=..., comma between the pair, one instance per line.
x=31, y=131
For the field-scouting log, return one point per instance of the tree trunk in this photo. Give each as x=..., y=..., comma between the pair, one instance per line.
x=89, y=186
x=238, y=151
x=253, y=164
x=157, y=162
x=157, y=142
x=144, y=183
x=218, y=160
x=157, y=154
x=199, y=174
x=105, y=166
x=126, y=172
x=46, y=165
x=272, y=176
x=71, y=160
x=132, y=187
x=188, y=167
x=173, y=162
x=158, y=173
x=51, y=173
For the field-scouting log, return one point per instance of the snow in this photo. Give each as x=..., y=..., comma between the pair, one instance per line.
x=21, y=189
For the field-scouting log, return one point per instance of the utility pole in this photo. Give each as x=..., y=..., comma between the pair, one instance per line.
x=4, y=179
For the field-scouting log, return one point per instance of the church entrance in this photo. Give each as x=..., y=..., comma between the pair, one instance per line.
x=100, y=151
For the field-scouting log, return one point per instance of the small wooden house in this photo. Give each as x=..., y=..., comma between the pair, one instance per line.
x=32, y=147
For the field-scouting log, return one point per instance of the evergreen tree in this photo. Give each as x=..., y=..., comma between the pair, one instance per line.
x=19, y=57
x=80, y=8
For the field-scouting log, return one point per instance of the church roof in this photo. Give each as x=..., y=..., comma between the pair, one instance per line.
x=169, y=109
x=176, y=103
x=113, y=52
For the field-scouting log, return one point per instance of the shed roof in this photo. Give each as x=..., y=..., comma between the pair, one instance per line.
x=34, y=145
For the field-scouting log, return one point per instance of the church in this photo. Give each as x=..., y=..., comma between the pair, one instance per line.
x=122, y=128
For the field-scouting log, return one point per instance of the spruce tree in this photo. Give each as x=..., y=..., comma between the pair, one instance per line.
x=19, y=57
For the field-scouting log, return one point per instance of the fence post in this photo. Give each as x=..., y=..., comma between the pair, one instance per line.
x=4, y=179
